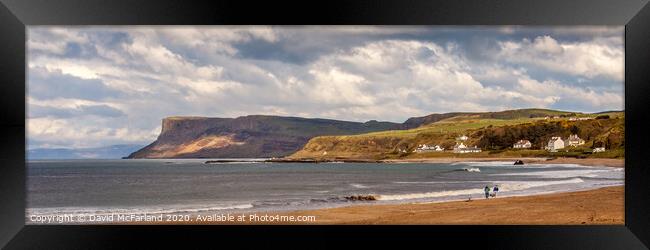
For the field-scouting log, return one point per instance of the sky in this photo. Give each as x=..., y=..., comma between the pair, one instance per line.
x=92, y=86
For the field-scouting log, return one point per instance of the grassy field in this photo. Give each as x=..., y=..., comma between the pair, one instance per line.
x=447, y=126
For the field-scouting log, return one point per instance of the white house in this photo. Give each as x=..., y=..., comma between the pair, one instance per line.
x=462, y=148
x=462, y=138
x=580, y=118
x=522, y=144
x=426, y=148
x=554, y=144
x=599, y=149
x=574, y=140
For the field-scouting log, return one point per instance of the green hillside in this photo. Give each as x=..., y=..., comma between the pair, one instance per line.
x=415, y=122
x=494, y=132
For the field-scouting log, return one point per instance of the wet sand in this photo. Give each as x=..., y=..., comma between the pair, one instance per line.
x=617, y=163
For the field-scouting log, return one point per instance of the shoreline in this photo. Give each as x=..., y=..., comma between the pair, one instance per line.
x=608, y=162
x=601, y=206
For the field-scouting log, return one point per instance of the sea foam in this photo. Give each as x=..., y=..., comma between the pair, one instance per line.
x=503, y=187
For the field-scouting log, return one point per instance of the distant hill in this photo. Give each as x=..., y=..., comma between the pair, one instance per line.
x=246, y=136
x=415, y=122
x=109, y=152
x=488, y=130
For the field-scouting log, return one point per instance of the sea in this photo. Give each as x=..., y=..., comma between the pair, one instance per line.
x=190, y=186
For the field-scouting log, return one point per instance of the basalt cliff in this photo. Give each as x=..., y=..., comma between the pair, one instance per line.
x=245, y=137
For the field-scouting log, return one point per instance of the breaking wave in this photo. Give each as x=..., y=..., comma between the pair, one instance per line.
x=591, y=173
x=358, y=185
x=503, y=186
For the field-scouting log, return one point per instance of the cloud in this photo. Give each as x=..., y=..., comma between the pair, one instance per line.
x=599, y=57
x=574, y=97
x=46, y=84
x=37, y=111
x=67, y=133
x=96, y=86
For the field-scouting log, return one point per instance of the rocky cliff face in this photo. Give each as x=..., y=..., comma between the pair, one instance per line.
x=247, y=136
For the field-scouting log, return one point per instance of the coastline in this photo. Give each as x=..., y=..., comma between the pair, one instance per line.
x=608, y=162
x=602, y=206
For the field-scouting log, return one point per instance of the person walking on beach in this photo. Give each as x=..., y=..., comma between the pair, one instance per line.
x=487, y=192
x=495, y=189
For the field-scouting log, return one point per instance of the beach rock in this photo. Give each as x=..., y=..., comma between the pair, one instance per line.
x=361, y=198
x=472, y=169
x=519, y=162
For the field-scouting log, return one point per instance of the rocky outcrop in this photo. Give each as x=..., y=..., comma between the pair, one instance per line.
x=368, y=197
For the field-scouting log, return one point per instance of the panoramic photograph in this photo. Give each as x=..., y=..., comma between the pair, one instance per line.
x=353, y=125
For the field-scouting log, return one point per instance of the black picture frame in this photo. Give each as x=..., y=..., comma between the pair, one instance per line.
x=15, y=15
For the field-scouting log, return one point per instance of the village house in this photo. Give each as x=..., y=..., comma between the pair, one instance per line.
x=598, y=149
x=462, y=148
x=580, y=118
x=554, y=144
x=574, y=140
x=522, y=144
x=462, y=138
x=426, y=148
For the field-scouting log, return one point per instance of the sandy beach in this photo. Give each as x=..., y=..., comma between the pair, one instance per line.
x=598, y=206
x=619, y=163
